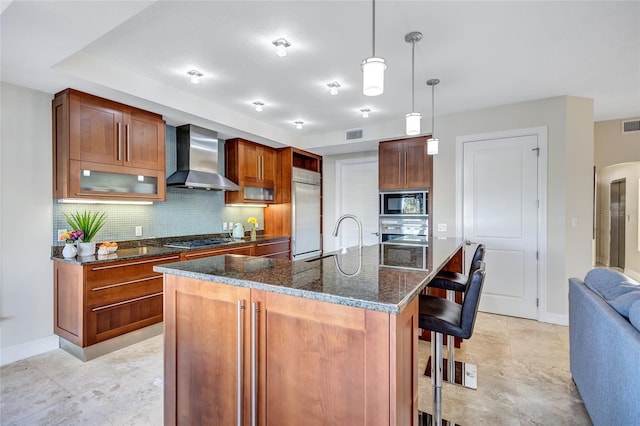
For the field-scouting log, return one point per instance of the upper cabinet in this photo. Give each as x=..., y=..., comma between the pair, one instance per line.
x=106, y=149
x=404, y=164
x=253, y=167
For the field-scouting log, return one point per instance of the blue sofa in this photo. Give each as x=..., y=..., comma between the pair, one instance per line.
x=604, y=338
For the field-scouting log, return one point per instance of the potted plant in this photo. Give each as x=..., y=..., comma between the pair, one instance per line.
x=90, y=224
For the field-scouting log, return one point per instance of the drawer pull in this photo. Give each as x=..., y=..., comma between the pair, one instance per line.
x=141, y=262
x=125, y=302
x=127, y=282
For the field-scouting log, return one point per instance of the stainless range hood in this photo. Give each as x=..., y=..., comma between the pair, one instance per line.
x=197, y=161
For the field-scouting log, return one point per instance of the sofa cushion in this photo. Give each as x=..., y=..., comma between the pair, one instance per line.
x=617, y=289
x=634, y=315
x=623, y=302
x=608, y=283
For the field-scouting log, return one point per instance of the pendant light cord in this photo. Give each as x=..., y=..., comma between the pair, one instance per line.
x=433, y=111
x=413, y=79
x=373, y=31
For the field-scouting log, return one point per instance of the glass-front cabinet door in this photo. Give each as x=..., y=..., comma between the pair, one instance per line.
x=91, y=180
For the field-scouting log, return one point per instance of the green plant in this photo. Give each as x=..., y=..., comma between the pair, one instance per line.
x=89, y=223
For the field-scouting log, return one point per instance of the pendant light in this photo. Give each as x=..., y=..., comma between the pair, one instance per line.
x=412, y=120
x=432, y=142
x=373, y=67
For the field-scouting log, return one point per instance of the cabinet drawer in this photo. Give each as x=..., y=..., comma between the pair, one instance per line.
x=126, y=290
x=109, y=321
x=124, y=272
x=245, y=250
x=271, y=247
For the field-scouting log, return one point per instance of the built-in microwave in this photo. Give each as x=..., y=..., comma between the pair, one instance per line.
x=404, y=203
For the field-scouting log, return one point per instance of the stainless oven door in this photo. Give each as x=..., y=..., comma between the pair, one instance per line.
x=404, y=252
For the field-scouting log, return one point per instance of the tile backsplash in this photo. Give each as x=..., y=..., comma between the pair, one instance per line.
x=186, y=211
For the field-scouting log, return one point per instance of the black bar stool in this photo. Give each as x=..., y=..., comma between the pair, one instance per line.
x=456, y=282
x=442, y=316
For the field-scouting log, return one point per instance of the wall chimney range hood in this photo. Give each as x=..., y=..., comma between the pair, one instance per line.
x=197, y=161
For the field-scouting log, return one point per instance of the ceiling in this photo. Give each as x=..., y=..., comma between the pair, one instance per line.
x=485, y=54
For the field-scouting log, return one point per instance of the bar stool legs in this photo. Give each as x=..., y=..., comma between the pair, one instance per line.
x=436, y=376
x=451, y=361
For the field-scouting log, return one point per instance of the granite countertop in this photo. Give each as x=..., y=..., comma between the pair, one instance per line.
x=350, y=278
x=136, y=249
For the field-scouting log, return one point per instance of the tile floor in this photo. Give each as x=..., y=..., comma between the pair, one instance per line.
x=523, y=379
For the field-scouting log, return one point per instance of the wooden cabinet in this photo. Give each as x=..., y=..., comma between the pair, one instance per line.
x=253, y=167
x=269, y=361
x=103, y=149
x=404, y=164
x=95, y=303
x=278, y=217
x=278, y=249
x=195, y=254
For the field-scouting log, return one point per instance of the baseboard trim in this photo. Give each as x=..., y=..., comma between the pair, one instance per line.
x=103, y=348
x=559, y=319
x=28, y=349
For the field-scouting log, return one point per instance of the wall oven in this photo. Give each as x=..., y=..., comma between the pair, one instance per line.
x=410, y=252
x=409, y=203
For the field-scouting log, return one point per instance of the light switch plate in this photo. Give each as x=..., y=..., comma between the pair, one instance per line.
x=60, y=232
x=138, y=231
x=442, y=227
x=224, y=226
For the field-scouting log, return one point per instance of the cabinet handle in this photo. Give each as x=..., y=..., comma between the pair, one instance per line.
x=240, y=363
x=119, y=142
x=405, y=167
x=126, y=126
x=254, y=363
x=258, y=166
x=139, y=262
x=137, y=299
x=104, y=287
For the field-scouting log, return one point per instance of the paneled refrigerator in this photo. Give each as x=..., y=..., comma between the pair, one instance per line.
x=306, y=240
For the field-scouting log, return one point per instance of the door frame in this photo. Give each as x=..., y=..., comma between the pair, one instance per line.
x=541, y=134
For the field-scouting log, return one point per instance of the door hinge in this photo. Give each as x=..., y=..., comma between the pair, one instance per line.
x=538, y=204
x=537, y=302
x=537, y=150
x=537, y=255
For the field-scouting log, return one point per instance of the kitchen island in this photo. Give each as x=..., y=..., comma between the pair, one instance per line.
x=326, y=341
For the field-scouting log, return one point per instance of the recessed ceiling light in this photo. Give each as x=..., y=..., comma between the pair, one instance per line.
x=195, y=76
x=259, y=105
x=333, y=87
x=298, y=124
x=281, y=47
x=365, y=112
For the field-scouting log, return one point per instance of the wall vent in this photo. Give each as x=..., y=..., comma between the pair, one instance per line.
x=631, y=126
x=353, y=134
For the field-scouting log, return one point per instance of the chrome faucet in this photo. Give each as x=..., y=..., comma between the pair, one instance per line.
x=349, y=216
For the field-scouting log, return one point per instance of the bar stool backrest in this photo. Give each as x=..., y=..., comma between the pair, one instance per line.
x=478, y=256
x=471, y=301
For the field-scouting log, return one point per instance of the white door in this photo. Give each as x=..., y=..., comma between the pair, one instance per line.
x=357, y=194
x=500, y=210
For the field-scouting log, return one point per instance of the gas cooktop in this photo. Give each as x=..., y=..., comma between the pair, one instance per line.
x=209, y=242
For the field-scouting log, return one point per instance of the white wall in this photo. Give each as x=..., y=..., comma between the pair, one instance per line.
x=569, y=121
x=26, y=289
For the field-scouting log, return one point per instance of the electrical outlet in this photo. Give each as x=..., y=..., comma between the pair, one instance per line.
x=224, y=226
x=230, y=225
x=60, y=232
x=138, y=231
x=442, y=227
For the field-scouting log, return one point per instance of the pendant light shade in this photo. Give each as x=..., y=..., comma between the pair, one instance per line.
x=412, y=120
x=432, y=146
x=412, y=123
x=373, y=68
x=373, y=76
x=432, y=142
